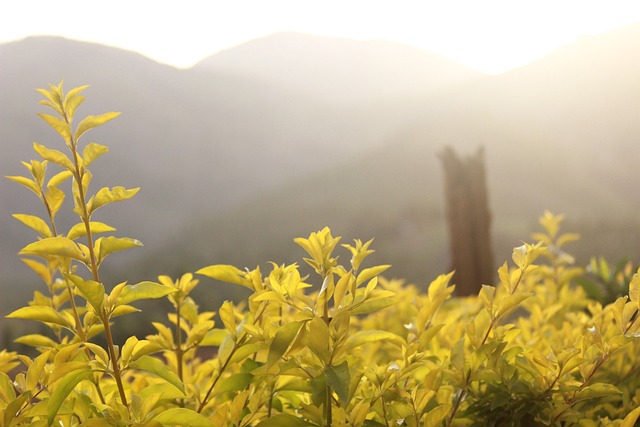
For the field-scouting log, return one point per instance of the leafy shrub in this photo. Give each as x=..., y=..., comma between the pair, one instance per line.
x=345, y=347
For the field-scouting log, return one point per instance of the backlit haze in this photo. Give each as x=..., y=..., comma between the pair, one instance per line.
x=491, y=36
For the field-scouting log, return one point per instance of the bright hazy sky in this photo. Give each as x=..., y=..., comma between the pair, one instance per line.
x=490, y=35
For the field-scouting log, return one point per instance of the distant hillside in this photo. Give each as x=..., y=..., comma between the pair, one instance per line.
x=340, y=71
x=560, y=134
x=197, y=141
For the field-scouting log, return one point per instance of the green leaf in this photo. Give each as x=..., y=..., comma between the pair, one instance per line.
x=92, y=151
x=282, y=341
x=183, y=417
x=40, y=313
x=143, y=290
x=58, y=125
x=54, y=156
x=60, y=246
x=80, y=230
x=90, y=290
x=283, y=420
x=338, y=378
x=35, y=223
x=226, y=273
x=108, y=245
x=155, y=366
x=368, y=336
x=62, y=390
x=90, y=122
x=106, y=195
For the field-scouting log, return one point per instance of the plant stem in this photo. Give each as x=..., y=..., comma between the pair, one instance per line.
x=456, y=406
x=114, y=360
x=179, y=349
x=328, y=412
x=217, y=378
x=93, y=264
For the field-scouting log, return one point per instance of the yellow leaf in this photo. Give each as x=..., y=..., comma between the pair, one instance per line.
x=631, y=418
x=92, y=151
x=79, y=230
x=155, y=366
x=34, y=373
x=54, y=197
x=41, y=269
x=509, y=302
x=143, y=290
x=369, y=336
x=318, y=338
x=30, y=184
x=127, y=350
x=369, y=273
x=58, y=125
x=59, y=178
x=228, y=317
x=72, y=100
x=107, y=245
x=40, y=313
x=90, y=290
x=106, y=196
x=35, y=223
x=567, y=238
x=341, y=288
x=226, y=273
x=182, y=416
x=268, y=296
x=60, y=246
x=634, y=289
x=54, y=156
x=36, y=340
x=100, y=352
x=90, y=122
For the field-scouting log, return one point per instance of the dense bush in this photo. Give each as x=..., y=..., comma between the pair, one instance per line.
x=341, y=347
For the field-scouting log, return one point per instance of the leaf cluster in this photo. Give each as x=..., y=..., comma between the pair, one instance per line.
x=343, y=347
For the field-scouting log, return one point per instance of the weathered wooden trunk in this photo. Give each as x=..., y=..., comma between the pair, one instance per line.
x=469, y=220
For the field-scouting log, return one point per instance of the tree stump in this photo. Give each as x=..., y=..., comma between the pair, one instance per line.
x=469, y=220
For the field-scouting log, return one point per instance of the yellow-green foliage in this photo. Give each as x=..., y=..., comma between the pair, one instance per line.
x=343, y=347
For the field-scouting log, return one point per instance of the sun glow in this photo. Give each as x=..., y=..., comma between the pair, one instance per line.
x=492, y=35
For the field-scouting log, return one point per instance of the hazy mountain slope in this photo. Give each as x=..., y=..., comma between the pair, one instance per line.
x=196, y=141
x=559, y=134
x=341, y=71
